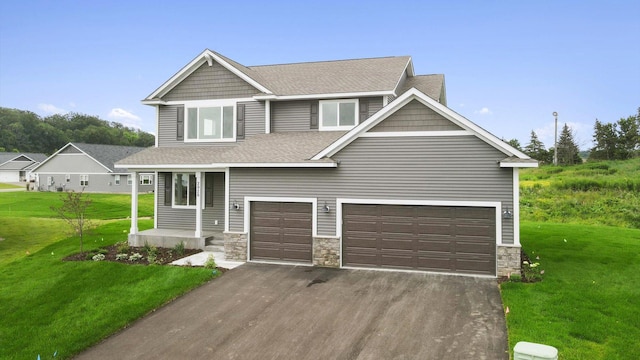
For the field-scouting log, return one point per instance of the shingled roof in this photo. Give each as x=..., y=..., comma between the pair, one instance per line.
x=276, y=149
x=374, y=76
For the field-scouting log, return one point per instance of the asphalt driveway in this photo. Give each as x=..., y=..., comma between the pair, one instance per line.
x=265, y=311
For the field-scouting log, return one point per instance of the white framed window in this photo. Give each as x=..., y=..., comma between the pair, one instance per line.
x=84, y=180
x=184, y=190
x=129, y=180
x=210, y=121
x=146, y=179
x=117, y=179
x=338, y=114
x=67, y=177
x=49, y=180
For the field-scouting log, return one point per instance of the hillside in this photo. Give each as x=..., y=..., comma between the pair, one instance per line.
x=599, y=193
x=24, y=131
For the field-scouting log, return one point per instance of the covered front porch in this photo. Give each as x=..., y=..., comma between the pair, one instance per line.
x=190, y=207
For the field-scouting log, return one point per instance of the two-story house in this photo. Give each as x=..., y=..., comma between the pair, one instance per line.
x=350, y=163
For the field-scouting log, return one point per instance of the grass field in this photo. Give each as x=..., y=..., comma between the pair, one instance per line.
x=49, y=305
x=583, y=222
x=9, y=186
x=588, y=305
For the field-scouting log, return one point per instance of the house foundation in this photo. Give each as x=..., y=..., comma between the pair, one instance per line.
x=326, y=252
x=508, y=260
x=235, y=246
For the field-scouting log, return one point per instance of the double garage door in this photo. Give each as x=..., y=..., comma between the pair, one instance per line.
x=430, y=238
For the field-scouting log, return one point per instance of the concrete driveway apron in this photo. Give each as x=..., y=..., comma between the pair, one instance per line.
x=266, y=311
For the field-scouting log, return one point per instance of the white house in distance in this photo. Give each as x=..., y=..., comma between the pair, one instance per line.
x=89, y=167
x=16, y=167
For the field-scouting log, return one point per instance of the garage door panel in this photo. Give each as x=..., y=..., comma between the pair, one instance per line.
x=281, y=231
x=430, y=238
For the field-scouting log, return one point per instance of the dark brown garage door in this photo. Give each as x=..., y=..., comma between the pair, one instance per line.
x=281, y=231
x=431, y=238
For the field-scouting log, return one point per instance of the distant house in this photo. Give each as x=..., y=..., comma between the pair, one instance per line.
x=90, y=167
x=16, y=167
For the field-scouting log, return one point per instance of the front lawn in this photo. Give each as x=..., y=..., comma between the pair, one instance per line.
x=50, y=305
x=9, y=186
x=588, y=305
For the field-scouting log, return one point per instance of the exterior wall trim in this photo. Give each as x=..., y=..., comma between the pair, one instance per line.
x=417, y=133
x=504, y=164
x=247, y=214
x=516, y=207
x=323, y=96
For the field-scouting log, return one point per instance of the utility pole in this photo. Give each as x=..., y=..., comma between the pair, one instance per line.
x=555, y=141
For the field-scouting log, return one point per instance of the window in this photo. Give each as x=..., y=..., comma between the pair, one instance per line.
x=146, y=179
x=184, y=189
x=117, y=180
x=338, y=114
x=84, y=180
x=210, y=123
x=129, y=180
x=67, y=177
x=50, y=180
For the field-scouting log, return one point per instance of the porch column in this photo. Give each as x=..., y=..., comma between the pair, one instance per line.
x=198, y=204
x=134, y=203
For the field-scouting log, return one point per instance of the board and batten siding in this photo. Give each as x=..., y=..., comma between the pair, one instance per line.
x=211, y=82
x=167, y=127
x=451, y=168
x=170, y=218
x=296, y=115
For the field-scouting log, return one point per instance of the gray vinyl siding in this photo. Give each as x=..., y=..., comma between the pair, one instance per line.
x=254, y=119
x=170, y=218
x=71, y=163
x=460, y=168
x=290, y=116
x=211, y=82
x=296, y=115
x=103, y=183
x=254, y=124
x=415, y=117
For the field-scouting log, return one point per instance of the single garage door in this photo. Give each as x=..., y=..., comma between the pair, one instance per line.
x=431, y=238
x=281, y=231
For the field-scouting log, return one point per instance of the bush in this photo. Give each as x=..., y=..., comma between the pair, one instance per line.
x=135, y=257
x=122, y=257
x=210, y=263
x=98, y=257
x=122, y=247
x=179, y=248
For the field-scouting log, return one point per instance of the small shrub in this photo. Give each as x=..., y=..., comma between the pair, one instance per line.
x=122, y=247
x=151, y=258
x=179, y=248
x=515, y=278
x=98, y=257
x=210, y=263
x=146, y=247
x=122, y=257
x=531, y=271
x=135, y=257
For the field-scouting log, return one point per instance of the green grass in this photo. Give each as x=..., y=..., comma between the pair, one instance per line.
x=588, y=305
x=49, y=305
x=9, y=186
x=602, y=193
x=104, y=206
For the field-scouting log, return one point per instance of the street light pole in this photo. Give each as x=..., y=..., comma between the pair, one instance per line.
x=555, y=141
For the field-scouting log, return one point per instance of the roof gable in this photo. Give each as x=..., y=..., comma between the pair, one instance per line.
x=415, y=116
x=409, y=96
x=104, y=155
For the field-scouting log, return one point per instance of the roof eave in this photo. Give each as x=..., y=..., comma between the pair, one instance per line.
x=308, y=164
x=324, y=96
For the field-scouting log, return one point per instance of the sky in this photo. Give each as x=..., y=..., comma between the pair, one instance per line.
x=508, y=65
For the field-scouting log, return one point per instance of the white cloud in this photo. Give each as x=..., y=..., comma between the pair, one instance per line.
x=51, y=109
x=118, y=113
x=483, y=111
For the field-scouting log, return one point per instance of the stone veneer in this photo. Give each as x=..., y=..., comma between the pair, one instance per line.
x=326, y=252
x=235, y=246
x=508, y=260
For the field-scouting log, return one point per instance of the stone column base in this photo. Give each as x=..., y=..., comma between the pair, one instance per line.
x=508, y=260
x=326, y=252
x=235, y=246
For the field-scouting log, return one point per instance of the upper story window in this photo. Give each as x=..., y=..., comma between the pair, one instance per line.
x=212, y=121
x=338, y=114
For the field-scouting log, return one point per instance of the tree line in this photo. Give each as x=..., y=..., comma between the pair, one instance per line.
x=25, y=131
x=612, y=141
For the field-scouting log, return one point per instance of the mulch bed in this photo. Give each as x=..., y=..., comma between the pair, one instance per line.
x=523, y=257
x=164, y=255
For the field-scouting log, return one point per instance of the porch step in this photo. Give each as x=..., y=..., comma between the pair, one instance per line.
x=216, y=240
x=214, y=248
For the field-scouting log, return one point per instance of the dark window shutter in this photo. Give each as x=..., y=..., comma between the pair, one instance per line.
x=168, y=179
x=314, y=115
x=240, y=122
x=208, y=189
x=180, y=123
x=364, y=109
